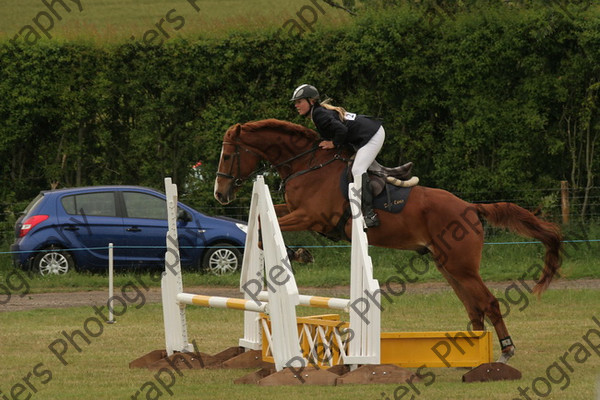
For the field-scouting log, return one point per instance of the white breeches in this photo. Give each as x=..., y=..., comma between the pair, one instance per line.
x=366, y=154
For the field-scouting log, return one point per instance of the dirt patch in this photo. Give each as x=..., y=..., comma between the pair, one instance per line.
x=100, y=297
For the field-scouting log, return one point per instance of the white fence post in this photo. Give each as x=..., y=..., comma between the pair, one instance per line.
x=111, y=300
x=171, y=283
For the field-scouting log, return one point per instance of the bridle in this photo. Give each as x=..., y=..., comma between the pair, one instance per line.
x=238, y=180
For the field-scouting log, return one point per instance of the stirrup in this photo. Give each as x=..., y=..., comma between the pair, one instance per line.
x=371, y=219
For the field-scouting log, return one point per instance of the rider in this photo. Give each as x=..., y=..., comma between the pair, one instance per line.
x=339, y=127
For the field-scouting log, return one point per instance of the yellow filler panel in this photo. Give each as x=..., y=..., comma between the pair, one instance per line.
x=436, y=349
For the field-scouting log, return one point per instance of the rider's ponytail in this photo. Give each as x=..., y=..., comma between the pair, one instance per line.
x=340, y=110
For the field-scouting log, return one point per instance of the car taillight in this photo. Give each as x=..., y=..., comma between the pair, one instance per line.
x=30, y=222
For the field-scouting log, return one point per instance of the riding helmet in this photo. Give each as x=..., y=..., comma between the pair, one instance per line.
x=305, y=92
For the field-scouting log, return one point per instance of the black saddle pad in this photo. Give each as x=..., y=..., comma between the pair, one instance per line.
x=392, y=198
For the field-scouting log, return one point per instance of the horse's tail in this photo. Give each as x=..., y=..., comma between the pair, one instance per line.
x=523, y=222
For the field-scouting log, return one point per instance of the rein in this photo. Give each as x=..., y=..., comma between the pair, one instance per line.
x=336, y=157
x=238, y=181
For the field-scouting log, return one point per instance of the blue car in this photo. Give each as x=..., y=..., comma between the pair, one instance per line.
x=67, y=229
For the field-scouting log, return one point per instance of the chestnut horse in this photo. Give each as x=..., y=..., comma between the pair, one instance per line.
x=433, y=220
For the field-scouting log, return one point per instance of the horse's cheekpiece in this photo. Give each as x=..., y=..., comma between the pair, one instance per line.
x=386, y=196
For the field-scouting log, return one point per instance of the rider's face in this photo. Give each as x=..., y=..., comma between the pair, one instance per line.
x=303, y=106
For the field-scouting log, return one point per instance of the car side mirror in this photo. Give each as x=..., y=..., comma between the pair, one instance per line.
x=183, y=215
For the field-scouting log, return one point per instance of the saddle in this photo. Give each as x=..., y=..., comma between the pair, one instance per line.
x=391, y=188
x=379, y=175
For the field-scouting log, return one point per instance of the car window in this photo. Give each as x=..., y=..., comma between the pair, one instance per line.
x=33, y=204
x=142, y=205
x=101, y=204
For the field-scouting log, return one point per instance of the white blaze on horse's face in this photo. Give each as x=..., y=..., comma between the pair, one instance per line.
x=224, y=193
x=216, y=191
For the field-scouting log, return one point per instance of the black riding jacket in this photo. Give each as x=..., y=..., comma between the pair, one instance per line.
x=355, y=130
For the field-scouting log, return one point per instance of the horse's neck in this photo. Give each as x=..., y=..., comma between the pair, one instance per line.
x=277, y=148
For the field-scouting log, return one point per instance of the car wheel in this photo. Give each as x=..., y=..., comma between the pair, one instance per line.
x=222, y=259
x=53, y=262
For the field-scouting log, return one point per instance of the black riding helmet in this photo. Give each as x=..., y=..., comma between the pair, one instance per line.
x=305, y=92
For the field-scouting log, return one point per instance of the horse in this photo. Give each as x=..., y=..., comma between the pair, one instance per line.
x=433, y=220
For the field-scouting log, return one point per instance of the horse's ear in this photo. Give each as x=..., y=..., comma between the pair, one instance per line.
x=237, y=129
x=233, y=132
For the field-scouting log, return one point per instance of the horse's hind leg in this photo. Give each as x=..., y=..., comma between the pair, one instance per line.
x=491, y=307
x=476, y=315
x=480, y=302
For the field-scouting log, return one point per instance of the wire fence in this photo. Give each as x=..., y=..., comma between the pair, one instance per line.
x=549, y=202
x=546, y=203
x=241, y=247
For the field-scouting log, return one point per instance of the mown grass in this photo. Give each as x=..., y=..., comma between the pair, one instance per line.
x=544, y=331
x=115, y=20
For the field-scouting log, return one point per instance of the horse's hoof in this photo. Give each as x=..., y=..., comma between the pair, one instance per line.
x=506, y=355
x=303, y=256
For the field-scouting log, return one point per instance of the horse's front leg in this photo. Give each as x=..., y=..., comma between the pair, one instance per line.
x=296, y=220
x=281, y=210
x=300, y=254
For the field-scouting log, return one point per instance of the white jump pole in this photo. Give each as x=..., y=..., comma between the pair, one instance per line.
x=333, y=303
x=221, y=302
x=111, y=317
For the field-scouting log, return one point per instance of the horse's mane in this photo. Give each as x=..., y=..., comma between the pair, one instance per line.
x=281, y=126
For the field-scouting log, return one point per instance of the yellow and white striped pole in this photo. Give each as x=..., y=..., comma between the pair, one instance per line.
x=222, y=302
x=333, y=303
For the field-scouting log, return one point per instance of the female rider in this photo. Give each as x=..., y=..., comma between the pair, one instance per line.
x=338, y=127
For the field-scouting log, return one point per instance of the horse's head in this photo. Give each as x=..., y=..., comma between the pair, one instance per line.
x=237, y=162
x=277, y=142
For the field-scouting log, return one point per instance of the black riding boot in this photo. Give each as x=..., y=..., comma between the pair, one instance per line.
x=369, y=215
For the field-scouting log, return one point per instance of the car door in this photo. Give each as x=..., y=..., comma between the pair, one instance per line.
x=145, y=222
x=89, y=221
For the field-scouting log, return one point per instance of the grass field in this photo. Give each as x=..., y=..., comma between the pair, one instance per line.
x=116, y=20
x=549, y=334
x=546, y=332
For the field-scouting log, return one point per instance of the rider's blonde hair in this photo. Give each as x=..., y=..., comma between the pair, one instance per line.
x=340, y=110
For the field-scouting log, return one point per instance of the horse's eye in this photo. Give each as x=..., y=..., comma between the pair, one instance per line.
x=226, y=157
